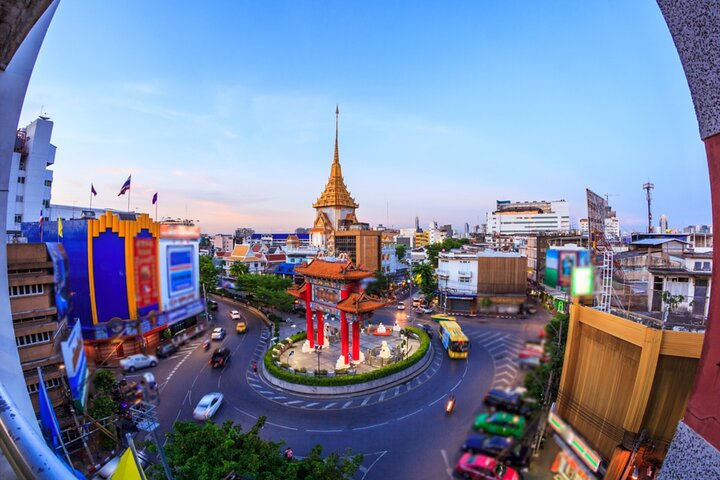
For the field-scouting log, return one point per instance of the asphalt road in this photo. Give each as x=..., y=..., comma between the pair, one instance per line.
x=403, y=431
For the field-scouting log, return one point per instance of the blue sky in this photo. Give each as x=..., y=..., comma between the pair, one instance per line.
x=227, y=108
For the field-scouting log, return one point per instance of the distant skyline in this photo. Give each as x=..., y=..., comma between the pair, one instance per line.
x=228, y=112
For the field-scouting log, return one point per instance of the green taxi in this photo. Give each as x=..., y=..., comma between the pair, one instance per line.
x=501, y=423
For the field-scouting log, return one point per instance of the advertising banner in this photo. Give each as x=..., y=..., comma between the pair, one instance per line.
x=568, y=261
x=145, y=261
x=76, y=365
x=60, y=272
x=551, y=268
x=180, y=270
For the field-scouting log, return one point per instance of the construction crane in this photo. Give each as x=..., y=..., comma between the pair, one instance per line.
x=647, y=187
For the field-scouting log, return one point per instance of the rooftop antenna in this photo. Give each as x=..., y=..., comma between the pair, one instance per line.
x=647, y=187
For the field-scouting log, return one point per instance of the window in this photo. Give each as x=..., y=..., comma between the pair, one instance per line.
x=21, y=166
x=464, y=279
x=46, y=203
x=32, y=339
x=49, y=383
x=18, y=218
x=21, y=179
x=18, y=198
x=48, y=183
x=25, y=290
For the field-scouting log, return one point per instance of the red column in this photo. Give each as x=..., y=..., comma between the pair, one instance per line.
x=344, y=293
x=702, y=414
x=356, y=339
x=320, y=329
x=309, y=317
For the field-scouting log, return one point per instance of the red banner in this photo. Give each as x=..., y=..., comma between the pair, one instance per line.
x=145, y=258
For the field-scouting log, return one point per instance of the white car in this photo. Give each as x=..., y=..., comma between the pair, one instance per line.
x=207, y=406
x=424, y=310
x=235, y=315
x=133, y=362
x=401, y=306
x=218, y=334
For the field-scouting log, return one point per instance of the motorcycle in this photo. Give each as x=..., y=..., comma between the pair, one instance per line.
x=206, y=345
x=450, y=404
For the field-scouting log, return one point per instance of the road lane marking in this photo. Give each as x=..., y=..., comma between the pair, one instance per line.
x=281, y=426
x=373, y=464
x=245, y=413
x=196, y=378
x=311, y=404
x=456, y=385
x=410, y=414
x=323, y=431
x=279, y=398
x=364, y=402
x=397, y=391
x=370, y=426
x=436, y=401
x=329, y=405
x=448, y=469
x=382, y=396
x=347, y=404
x=294, y=402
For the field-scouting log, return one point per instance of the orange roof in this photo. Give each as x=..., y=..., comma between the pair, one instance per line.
x=333, y=270
x=240, y=251
x=360, y=303
x=297, y=292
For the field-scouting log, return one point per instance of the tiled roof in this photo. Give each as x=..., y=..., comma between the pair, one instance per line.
x=239, y=251
x=333, y=270
x=297, y=292
x=360, y=303
x=275, y=257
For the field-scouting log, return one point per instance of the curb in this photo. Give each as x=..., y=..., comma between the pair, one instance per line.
x=353, y=390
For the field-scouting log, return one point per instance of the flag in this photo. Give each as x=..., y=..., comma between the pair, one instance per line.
x=92, y=190
x=59, y=228
x=48, y=420
x=125, y=187
x=155, y=198
x=41, y=218
x=127, y=468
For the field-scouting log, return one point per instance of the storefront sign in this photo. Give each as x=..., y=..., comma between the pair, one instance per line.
x=144, y=257
x=573, y=440
x=180, y=270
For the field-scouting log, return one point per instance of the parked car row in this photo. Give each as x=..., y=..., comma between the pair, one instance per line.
x=498, y=449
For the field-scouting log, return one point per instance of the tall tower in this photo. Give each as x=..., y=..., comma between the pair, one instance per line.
x=663, y=223
x=417, y=223
x=649, y=186
x=335, y=206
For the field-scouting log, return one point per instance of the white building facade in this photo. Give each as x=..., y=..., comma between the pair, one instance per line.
x=529, y=217
x=29, y=188
x=223, y=242
x=457, y=274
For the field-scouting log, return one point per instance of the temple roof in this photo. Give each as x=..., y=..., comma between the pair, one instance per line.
x=333, y=270
x=336, y=193
x=297, y=292
x=360, y=303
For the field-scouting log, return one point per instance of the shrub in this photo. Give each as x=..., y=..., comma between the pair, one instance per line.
x=335, y=381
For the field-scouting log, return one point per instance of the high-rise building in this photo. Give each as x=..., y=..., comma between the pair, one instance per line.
x=417, y=223
x=663, y=224
x=30, y=177
x=529, y=217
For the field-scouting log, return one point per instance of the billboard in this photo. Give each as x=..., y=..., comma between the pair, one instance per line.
x=146, y=281
x=61, y=280
x=597, y=213
x=559, y=265
x=76, y=365
x=180, y=270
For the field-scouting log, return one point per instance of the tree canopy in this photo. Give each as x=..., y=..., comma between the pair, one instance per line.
x=208, y=273
x=380, y=286
x=448, y=244
x=268, y=289
x=401, y=250
x=424, y=277
x=210, y=451
x=238, y=269
x=537, y=380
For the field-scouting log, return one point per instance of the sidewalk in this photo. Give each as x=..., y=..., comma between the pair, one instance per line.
x=540, y=466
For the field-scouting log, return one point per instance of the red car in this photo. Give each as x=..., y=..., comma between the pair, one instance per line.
x=534, y=351
x=482, y=467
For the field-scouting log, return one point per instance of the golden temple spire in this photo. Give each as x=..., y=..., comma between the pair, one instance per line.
x=336, y=193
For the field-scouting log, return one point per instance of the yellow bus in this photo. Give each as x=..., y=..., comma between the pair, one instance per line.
x=453, y=339
x=439, y=317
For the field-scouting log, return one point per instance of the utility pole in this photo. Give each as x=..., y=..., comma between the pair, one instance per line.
x=647, y=187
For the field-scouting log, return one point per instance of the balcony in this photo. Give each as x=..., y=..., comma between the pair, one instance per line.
x=443, y=274
x=465, y=274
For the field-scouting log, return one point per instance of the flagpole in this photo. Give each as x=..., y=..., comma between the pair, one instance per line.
x=156, y=217
x=91, y=195
x=129, y=199
x=48, y=404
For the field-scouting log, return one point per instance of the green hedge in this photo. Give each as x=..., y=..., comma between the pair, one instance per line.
x=341, y=380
